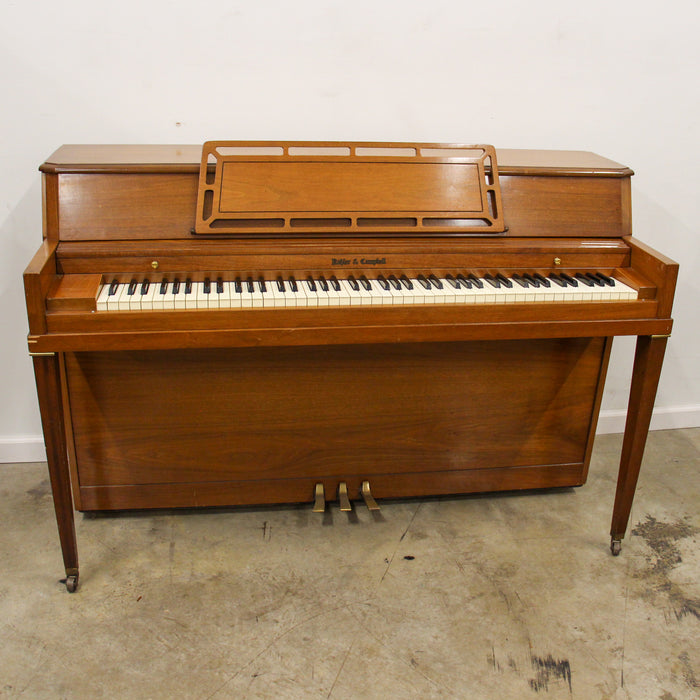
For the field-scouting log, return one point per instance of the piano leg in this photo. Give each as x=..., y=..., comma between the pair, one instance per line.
x=48, y=383
x=648, y=358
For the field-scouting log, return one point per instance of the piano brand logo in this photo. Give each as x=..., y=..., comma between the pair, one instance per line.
x=336, y=262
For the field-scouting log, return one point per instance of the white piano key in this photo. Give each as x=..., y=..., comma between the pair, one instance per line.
x=310, y=295
x=179, y=297
x=102, y=298
x=124, y=298
x=201, y=300
x=294, y=297
x=321, y=294
x=277, y=297
x=191, y=297
x=159, y=297
x=147, y=298
x=224, y=298
x=624, y=292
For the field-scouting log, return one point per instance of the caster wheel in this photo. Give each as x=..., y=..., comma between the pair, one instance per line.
x=615, y=547
x=71, y=584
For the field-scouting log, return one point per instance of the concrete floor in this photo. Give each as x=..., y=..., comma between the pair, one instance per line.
x=506, y=596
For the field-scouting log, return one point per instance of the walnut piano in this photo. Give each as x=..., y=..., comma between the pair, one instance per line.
x=278, y=322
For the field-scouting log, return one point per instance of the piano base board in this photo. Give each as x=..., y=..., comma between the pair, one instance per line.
x=189, y=428
x=284, y=491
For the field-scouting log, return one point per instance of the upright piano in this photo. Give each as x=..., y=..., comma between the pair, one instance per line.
x=275, y=322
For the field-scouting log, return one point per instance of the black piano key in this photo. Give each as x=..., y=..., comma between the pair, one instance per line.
x=280, y=285
x=366, y=283
x=463, y=280
x=383, y=282
x=145, y=285
x=424, y=282
x=335, y=284
x=132, y=288
x=206, y=286
x=238, y=286
x=406, y=282
x=493, y=281
x=163, y=286
x=504, y=280
x=568, y=279
x=475, y=281
x=596, y=280
x=542, y=280
x=534, y=282
x=435, y=281
x=395, y=282
x=176, y=286
x=584, y=280
x=188, y=286
x=323, y=283
x=219, y=285
x=249, y=285
x=293, y=284
x=521, y=281
x=310, y=283
x=354, y=285
x=113, y=286
x=608, y=280
x=557, y=280
x=454, y=282
x=262, y=284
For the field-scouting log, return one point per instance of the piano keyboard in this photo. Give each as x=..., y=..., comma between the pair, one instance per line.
x=316, y=291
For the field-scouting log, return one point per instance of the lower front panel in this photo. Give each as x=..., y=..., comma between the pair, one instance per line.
x=263, y=425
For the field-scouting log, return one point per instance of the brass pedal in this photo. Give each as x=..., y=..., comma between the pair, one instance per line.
x=343, y=497
x=367, y=495
x=319, y=499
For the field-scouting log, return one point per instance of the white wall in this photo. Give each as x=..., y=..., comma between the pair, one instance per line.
x=618, y=78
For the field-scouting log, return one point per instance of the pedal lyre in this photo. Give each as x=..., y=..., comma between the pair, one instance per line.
x=319, y=499
x=367, y=495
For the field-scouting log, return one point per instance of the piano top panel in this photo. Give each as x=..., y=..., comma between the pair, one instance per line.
x=109, y=193
x=95, y=158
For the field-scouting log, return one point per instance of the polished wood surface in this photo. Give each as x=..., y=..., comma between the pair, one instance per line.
x=221, y=407
x=104, y=157
x=194, y=417
x=48, y=384
x=350, y=188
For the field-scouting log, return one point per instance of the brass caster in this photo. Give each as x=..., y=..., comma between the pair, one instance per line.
x=72, y=583
x=615, y=547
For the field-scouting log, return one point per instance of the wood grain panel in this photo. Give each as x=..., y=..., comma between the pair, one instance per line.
x=286, y=413
x=126, y=206
x=582, y=207
x=151, y=206
x=349, y=187
x=384, y=486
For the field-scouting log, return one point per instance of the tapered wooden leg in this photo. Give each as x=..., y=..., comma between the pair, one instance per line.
x=48, y=384
x=648, y=359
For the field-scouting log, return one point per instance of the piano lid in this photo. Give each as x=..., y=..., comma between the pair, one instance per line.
x=86, y=158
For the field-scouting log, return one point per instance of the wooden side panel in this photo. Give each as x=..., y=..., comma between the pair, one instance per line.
x=277, y=414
